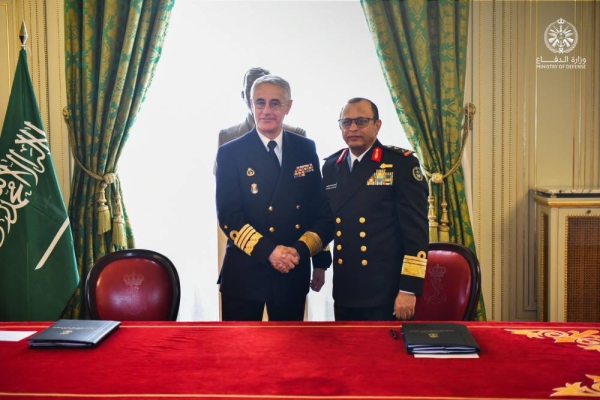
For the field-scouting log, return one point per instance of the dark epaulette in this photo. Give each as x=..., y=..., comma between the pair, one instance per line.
x=336, y=154
x=401, y=151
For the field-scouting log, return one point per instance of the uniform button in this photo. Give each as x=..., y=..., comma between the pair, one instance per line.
x=270, y=208
x=339, y=247
x=362, y=220
x=338, y=233
x=340, y=261
x=338, y=220
x=297, y=226
x=298, y=207
x=364, y=262
x=363, y=234
x=271, y=229
x=363, y=248
x=226, y=227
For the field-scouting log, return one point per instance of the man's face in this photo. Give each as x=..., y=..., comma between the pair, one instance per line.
x=359, y=139
x=269, y=107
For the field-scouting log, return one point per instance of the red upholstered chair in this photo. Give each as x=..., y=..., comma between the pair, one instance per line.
x=452, y=284
x=133, y=285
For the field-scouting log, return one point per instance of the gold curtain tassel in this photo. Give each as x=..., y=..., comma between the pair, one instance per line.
x=444, y=228
x=103, y=219
x=432, y=216
x=118, y=236
x=433, y=225
x=103, y=211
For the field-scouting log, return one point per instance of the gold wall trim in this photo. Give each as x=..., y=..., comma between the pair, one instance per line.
x=543, y=268
x=565, y=268
x=494, y=124
x=8, y=53
x=567, y=202
x=506, y=270
x=479, y=125
x=593, y=96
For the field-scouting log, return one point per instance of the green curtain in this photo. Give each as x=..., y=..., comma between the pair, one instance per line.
x=112, y=49
x=422, y=48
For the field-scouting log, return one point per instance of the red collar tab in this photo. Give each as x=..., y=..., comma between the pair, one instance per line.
x=376, y=156
x=341, y=157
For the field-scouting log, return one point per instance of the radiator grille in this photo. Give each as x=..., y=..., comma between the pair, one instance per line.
x=582, y=269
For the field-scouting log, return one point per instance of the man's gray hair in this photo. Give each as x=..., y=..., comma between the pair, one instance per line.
x=274, y=80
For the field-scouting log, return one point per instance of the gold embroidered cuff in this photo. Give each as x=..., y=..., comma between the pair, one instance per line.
x=312, y=241
x=246, y=238
x=415, y=266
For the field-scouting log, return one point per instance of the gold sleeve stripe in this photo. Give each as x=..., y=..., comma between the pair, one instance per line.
x=246, y=239
x=415, y=266
x=245, y=234
x=312, y=241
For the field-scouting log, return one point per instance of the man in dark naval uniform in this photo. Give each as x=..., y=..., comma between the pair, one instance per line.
x=378, y=197
x=323, y=259
x=272, y=208
x=234, y=132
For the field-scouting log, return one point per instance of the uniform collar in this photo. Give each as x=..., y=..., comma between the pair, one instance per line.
x=352, y=157
x=265, y=140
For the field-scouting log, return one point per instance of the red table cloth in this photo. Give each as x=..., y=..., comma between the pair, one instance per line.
x=310, y=360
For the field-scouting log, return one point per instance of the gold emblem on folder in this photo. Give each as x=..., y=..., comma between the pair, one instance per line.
x=254, y=188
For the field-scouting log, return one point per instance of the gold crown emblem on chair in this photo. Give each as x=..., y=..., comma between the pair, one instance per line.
x=437, y=271
x=133, y=279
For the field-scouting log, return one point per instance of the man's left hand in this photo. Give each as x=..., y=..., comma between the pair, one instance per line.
x=404, y=306
x=318, y=279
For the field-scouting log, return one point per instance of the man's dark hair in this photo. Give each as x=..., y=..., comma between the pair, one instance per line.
x=358, y=100
x=253, y=74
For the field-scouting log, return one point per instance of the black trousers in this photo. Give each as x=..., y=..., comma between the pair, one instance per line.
x=234, y=309
x=363, y=314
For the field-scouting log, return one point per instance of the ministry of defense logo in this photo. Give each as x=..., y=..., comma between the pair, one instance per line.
x=561, y=37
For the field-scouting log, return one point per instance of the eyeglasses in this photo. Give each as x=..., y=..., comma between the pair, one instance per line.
x=274, y=105
x=360, y=122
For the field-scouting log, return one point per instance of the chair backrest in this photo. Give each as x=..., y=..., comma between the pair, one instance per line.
x=133, y=285
x=452, y=284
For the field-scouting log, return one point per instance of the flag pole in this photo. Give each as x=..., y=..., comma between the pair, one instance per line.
x=23, y=34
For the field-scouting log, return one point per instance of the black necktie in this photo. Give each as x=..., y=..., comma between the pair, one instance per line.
x=272, y=144
x=354, y=165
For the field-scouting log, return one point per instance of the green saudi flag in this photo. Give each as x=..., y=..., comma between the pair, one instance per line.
x=38, y=271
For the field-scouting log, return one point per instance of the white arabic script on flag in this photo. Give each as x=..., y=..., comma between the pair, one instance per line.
x=18, y=172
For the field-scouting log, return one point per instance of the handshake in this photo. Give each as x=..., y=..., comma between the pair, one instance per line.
x=284, y=258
